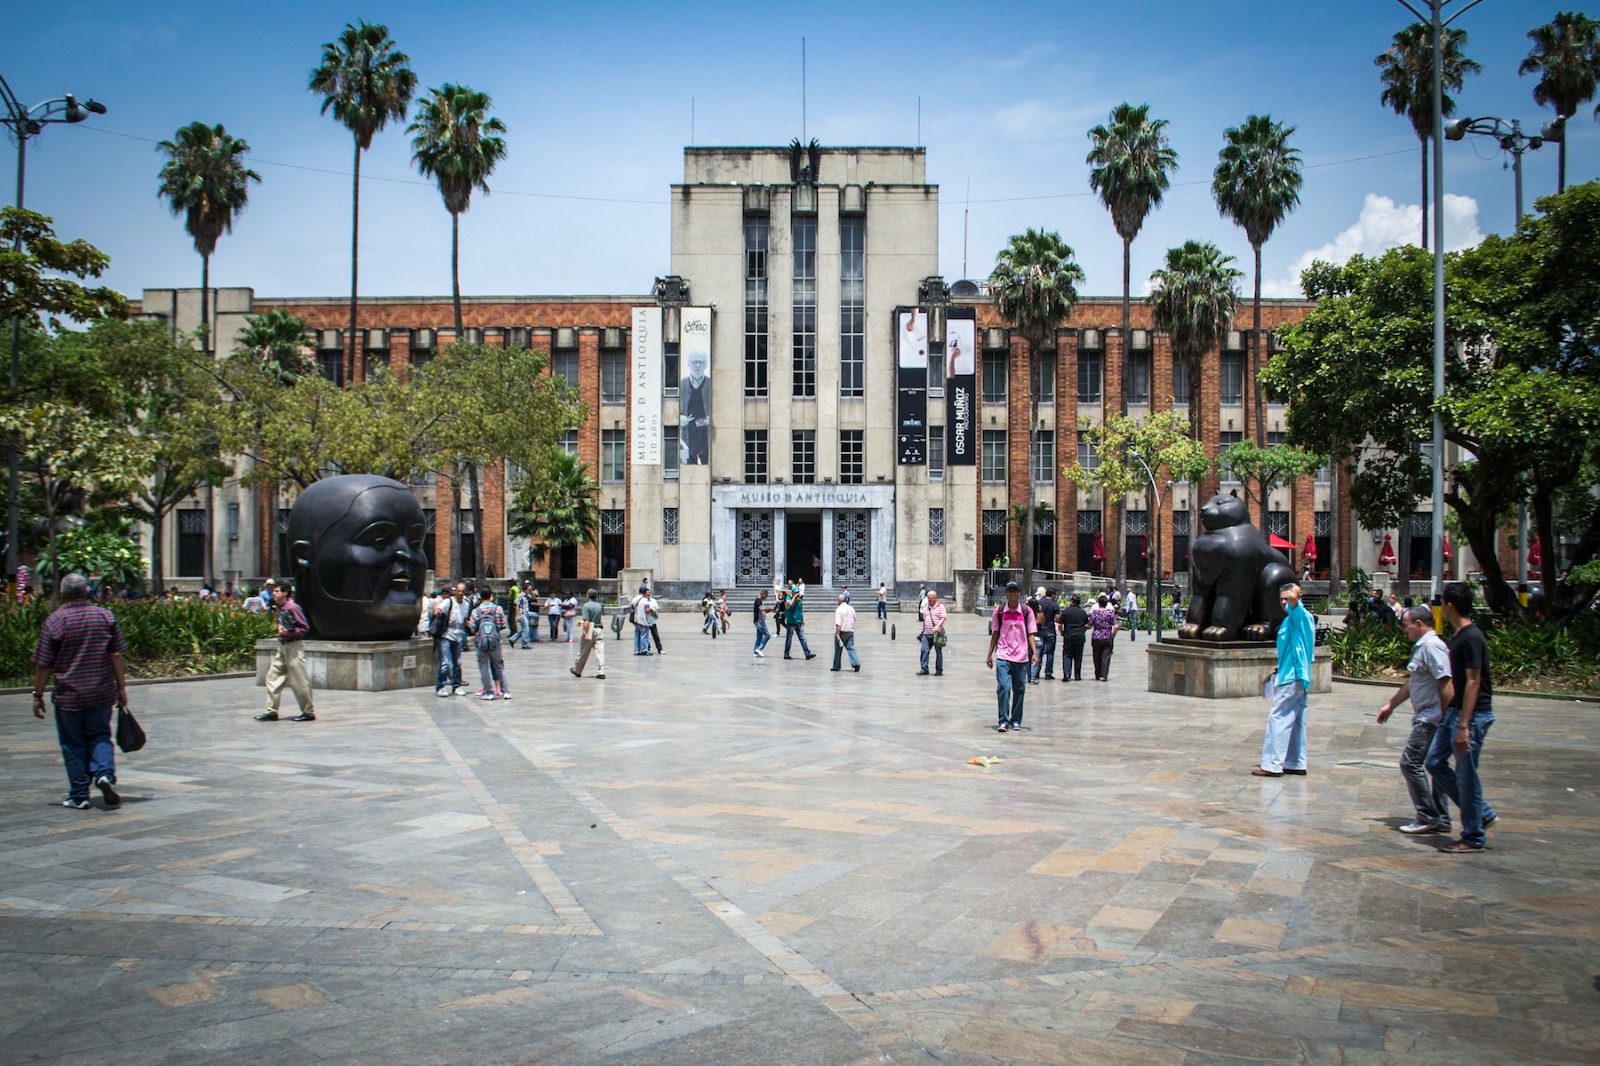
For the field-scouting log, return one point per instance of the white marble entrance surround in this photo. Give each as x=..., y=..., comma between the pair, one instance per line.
x=727, y=499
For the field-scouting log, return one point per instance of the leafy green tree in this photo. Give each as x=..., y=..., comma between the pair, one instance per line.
x=36, y=274
x=1266, y=468
x=1256, y=184
x=366, y=81
x=1566, y=56
x=1406, y=70
x=1035, y=285
x=205, y=180
x=92, y=553
x=1192, y=301
x=1131, y=166
x=456, y=143
x=558, y=509
x=277, y=338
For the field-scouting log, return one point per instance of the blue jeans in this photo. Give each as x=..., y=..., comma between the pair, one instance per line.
x=883, y=610
x=530, y=628
x=449, y=664
x=1284, y=746
x=763, y=634
x=1011, y=686
x=795, y=629
x=1462, y=783
x=845, y=643
x=1047, y=655
x=555, y=626
x=938, y=654
x=86, y=749
x=641, y=639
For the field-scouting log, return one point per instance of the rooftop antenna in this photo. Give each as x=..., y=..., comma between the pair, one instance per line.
x=691, y=122
x=965, y=211
x=802, y=90
x=919, y=122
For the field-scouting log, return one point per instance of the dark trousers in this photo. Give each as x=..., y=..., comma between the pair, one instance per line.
x=1102, y=657
x=85, y=737
x=1072, y=657
x=655, y=635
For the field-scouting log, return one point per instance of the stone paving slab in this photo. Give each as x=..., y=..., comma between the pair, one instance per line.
x=709, y=857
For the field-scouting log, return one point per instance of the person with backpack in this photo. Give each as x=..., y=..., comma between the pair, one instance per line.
x=643, y=615
x=485, y=625
x=449, y=631
x=1013, y=635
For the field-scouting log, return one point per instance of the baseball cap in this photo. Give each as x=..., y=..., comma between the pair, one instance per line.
x=1012, y=586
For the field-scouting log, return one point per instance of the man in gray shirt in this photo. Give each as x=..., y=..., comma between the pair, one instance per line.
x=1429, y=687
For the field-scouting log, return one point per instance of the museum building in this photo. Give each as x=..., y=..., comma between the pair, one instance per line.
x=800, y=394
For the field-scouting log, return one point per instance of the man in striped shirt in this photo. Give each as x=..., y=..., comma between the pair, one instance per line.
x=933, y=619
x=81, y=645
x=288, y=664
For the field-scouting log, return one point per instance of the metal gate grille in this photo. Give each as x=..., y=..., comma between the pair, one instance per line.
x=755, y=564
x=852, y=547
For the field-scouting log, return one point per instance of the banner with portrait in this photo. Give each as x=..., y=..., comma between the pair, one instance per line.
x=911, y=347
x=960, y=386
x=694, y=391
x=644, y=406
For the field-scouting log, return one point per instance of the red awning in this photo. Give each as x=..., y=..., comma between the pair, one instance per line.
x=1309, y=550
x=1386, y=555
x=1099, y=549
x=1278, y=542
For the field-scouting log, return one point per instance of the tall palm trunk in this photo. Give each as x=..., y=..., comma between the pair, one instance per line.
x=355, y=263
x=206, y=347
x=1255, y=373
x=1122, y=406
x=1333, y=533
x=1424, y=194
x=455, y=268
x=1561, y=160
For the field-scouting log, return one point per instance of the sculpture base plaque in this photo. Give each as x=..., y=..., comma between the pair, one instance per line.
x=1220, y=671
x=359, y=665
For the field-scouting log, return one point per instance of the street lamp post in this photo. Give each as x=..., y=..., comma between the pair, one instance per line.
x=1155, y=492
x=1510, y=137
x=25, y=122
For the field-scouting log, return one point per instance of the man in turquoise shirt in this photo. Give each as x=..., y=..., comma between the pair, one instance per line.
x=1283, y=751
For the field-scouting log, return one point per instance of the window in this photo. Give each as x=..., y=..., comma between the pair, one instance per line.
x=466, y=534
x=669, y=367
x=330, y=363
x=1136, y=383
x=1136, y=543
x=614, y=376
x=1278, y=523
x=803, y=458
x=669, y=525
x=1091, y=374
x=994, y=376
x=1231, y=380
x=421, y=357
x=564, y=365
x=852, y=457
x=755, y=309
x=1044, y=376
x=995, y=551
x=1089, y=525
x=1180, y=380
x=1225, y=438
x=669, y=453
x=429, y=539
x=853, y=307
x=1275, y=438
x=994, y=455
x=1044, y=456
x=1324, y=475
x=1088, y=456
x=194, y=534
x=613, y=456
x=936, y=371
x=755, y=457
x=569, y=442
x=935, y=453
x=1044, y=543
x=613, y=537
x=804, y=354
x=936, y=526
x=1180, y=539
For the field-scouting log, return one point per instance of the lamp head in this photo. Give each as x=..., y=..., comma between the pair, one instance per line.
x=1554, y=132
x=1456, y=128
x=75, y=111
x=96, y=106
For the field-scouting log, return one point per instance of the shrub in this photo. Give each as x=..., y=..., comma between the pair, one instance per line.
x=1561, y=655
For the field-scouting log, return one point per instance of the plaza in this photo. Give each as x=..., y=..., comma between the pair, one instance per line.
x=712, y=858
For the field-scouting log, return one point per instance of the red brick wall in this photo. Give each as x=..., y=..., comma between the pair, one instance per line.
x=1066, y=449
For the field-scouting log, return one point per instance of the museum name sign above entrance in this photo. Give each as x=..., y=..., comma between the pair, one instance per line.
x=787, y=496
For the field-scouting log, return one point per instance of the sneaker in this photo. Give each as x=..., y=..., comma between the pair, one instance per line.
x=456, y=690
x=1493, y=818
x=1001, y=728
x=443, y=692
x=813, y=655
x=1460, y=847
x=760, y=654
x=922, y=673
x=856, y=668
x=599, y=677
x=108, y=790
x=77, y=805
x=505, y=695
x=486, y=696
x=1419, y=828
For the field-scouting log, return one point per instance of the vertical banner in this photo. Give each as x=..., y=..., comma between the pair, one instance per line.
x=694, y=391
x=645, y=421
x=911, y=342
x=960, y=383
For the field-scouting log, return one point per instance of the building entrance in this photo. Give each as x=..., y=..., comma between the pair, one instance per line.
x=803, y=546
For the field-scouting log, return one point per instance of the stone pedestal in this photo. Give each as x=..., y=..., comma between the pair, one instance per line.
x=359, y=665
x=1224, y=671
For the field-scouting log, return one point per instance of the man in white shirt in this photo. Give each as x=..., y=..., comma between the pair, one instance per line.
x=642, y=613
x=844, y=634
x=1429, y=687
x=1130, y=607
x=883, y=601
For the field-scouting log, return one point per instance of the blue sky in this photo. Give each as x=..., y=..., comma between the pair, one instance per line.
x=598, y=101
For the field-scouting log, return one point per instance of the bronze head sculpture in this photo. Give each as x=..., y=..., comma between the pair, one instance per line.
x=355, y=543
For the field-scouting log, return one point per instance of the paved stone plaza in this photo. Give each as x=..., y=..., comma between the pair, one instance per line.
x=707, y=858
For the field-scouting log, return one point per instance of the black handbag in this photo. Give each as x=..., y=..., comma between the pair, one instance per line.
x=130, y=734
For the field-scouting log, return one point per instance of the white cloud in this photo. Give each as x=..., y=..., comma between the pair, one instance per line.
x=1383, y=225
x=1027, y=56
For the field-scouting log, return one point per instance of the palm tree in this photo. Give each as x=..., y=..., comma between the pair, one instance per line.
x=1407, y=75
x=1034, y=283
x=277, y=339
x=454, y=143
x=1131, y=167
x=205, y=180
x=1566, y=56
x=1256, y=184
x=558, y=511
x=1192, y=301
x=365, y=81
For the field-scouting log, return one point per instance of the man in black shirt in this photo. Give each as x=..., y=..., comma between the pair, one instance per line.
x=1074, y=623
x=1466, y=722
x=1047, y=611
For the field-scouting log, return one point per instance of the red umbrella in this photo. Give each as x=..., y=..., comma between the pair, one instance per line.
x=1099, y=549
x=1447, y=547
x=1386, y=553
x=1278, y=542
x=1310, y=549
x=1535, y=555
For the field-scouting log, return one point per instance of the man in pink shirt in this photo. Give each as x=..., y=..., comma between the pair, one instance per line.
x=1013, y=635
